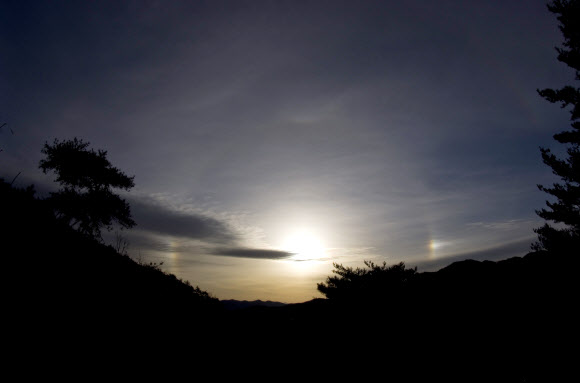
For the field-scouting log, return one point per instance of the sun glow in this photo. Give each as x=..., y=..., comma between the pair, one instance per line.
x=305, y=246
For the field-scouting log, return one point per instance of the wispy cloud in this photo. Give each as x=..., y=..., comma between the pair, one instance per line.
x=251, y=253
x=506, y=225
x=152, y=216
x=193, y=232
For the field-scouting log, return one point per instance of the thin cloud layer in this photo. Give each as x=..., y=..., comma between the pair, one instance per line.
x=252, y=253
x=153, y=217
x=411, y=128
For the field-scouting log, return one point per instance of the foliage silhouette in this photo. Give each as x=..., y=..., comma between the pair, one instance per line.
x=53, y=290
x=86, y=200
x=51, y=283
x=366, y=283
x=502, y=321
x=566, y=209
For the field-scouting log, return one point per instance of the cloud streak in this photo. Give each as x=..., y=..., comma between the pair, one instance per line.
x=154, y=217
x=251, y=253
x=382, y=126
x=219, y=237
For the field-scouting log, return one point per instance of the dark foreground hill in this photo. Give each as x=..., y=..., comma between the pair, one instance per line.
x=233, y=304
x=513, y=320
x=57, y=277
x=515, y=288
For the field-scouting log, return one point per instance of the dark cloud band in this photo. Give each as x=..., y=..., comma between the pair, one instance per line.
x=151, y=216
x=252, y=253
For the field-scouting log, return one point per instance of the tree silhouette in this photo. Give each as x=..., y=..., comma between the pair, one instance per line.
x=566, y=209
x=373, y=282
x=86, y=200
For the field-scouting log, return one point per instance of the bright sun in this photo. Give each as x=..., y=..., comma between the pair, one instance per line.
x=305, y=246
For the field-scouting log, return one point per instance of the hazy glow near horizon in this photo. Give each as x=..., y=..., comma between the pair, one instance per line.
x=269, y=141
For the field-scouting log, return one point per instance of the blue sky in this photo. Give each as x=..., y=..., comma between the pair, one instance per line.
x=269, y=139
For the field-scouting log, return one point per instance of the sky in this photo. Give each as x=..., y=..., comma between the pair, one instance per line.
x=271, y=139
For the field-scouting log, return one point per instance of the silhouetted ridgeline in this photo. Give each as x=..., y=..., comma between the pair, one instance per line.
x=57, y=275
x=500, y=321
x=233, y=304
x=471, y=321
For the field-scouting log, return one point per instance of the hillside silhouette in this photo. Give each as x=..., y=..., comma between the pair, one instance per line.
x=506, y=318
x=474, y=320
x=68, y=278
x=513, y=320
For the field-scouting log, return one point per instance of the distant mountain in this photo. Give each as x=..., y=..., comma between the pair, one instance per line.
x=232, y=304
